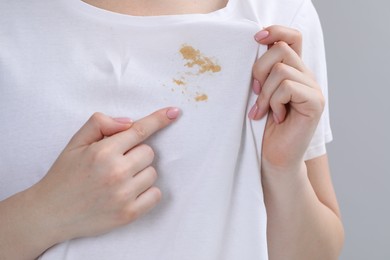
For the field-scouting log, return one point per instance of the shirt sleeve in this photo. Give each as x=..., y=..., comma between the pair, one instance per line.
x=313, y=55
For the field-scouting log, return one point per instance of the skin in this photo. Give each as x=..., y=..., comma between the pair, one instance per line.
x=303, y=215
x=107, y=165
x=158, y=7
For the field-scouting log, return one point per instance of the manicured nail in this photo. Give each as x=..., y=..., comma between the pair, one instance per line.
x=256, y=86
x=173, y=113
x=253, y=111
x=123, y=120
x=261, y=35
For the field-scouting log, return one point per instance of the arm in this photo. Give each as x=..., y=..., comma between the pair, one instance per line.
x=102, y=180
x=303, y=215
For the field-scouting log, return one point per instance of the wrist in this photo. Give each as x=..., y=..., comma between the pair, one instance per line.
x=25, y=234
x=282, y=180
x=47, y=222
x=283, y=172
x=288, y=191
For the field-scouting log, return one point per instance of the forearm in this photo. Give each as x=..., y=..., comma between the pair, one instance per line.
x=299, y=225
x=25, y=231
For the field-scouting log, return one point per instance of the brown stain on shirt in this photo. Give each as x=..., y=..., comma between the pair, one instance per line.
x=201, y=97
x=196, y=58
x=185, y=82
x=179, y=82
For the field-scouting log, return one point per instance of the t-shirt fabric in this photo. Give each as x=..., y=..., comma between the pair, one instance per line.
x=63, y=60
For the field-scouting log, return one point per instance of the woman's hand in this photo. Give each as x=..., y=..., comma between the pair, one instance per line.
x=302, y=212
x=291, y=95
x=100, y=183
x=103, y=179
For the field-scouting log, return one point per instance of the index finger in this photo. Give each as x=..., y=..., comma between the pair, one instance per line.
x=143, y=129
x=276, y=33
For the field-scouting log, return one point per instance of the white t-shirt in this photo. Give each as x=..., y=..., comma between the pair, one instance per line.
x=62, y=60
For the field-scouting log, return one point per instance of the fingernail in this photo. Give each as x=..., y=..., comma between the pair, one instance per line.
x=261, y=35
x=123, y=120
x=173, y=113
x=253, y=111
x=256, y=86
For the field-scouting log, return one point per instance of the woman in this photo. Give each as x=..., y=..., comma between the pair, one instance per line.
x=64, y=60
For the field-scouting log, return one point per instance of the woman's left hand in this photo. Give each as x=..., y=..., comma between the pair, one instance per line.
x=289, y=92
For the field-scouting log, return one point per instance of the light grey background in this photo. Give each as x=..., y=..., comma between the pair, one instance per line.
x=357, y=39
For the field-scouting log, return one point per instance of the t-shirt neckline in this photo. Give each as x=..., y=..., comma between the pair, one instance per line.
x=100, y=13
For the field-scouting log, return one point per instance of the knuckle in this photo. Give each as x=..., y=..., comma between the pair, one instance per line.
x=264, y=95
x=298, y=34
x=152, y=173
x=130, y=214
x=112, y=173
x=155, y=195
x=272, y=102
x=280, y=68
x=148, y=151
x=103, y=161
x=96, y=117
x=140, y=131
x=286, y=85
x=285, y=50
x=117, y=175
x=255, y=68
x=258, y=70
x=99, y=153
x=282, y=45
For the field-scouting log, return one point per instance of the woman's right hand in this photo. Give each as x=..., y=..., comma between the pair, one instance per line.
x=100, y=183
x=103, y=179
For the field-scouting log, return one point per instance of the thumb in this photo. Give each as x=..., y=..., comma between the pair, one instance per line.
x=97, y=127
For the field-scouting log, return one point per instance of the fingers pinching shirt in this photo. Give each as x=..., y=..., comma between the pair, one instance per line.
x=280, y=63
x=275, y=33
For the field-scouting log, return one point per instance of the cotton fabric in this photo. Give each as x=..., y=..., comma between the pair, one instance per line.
x=63, y=60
